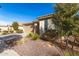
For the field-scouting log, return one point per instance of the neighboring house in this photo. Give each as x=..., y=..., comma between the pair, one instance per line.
x=9, y=28
x=21, y=26
x=5, y=28
x=45, y=23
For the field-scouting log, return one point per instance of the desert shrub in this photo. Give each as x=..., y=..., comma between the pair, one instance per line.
x=30, y=35
x=76, y=54
x=49, y=35
x=11, y=31
x=69, y=54
x=4, y=32
x=35, y=36
x=19, y=31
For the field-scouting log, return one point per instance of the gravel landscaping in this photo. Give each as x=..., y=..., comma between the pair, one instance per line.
x=37, y=48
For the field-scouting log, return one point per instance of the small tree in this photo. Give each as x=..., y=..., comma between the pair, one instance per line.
x=15, y=26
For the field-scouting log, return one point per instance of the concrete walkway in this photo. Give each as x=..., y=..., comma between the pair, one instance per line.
x=9, y=52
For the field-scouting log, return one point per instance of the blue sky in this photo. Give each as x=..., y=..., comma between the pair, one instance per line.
x=24, y=13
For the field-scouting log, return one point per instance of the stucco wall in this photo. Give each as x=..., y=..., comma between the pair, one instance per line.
x=9, y=28
x=3, y=28
x=21, y=27
x=50, y=24
x=34, y=29
x=27, y=29
x=41, y=27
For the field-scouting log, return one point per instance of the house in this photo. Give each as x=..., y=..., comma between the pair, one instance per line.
x=40, y=26
x=28, y=28
x=5, y=28
x=9, y=28
x=31, y=27
x=45, y=23
x=21, y=26
x=36, y=27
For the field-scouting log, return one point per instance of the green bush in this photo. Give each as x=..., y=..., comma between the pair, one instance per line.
x=49, y=35
x=30, y=35
x=35, y=36
x=4, y=32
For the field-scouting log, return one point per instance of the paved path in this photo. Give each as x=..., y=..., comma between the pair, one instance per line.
x=9, y=52
x=37, y=48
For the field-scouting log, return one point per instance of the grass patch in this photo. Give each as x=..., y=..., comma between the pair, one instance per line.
x=19, y=31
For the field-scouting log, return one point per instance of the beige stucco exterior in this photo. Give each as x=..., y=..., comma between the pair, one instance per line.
x=27, y=28
x=42, y=22
x=9, y=28
x=41, y=26
x=50, y=24
x=6, y=28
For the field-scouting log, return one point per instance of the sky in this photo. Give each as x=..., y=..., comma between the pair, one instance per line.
x=23, y=12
